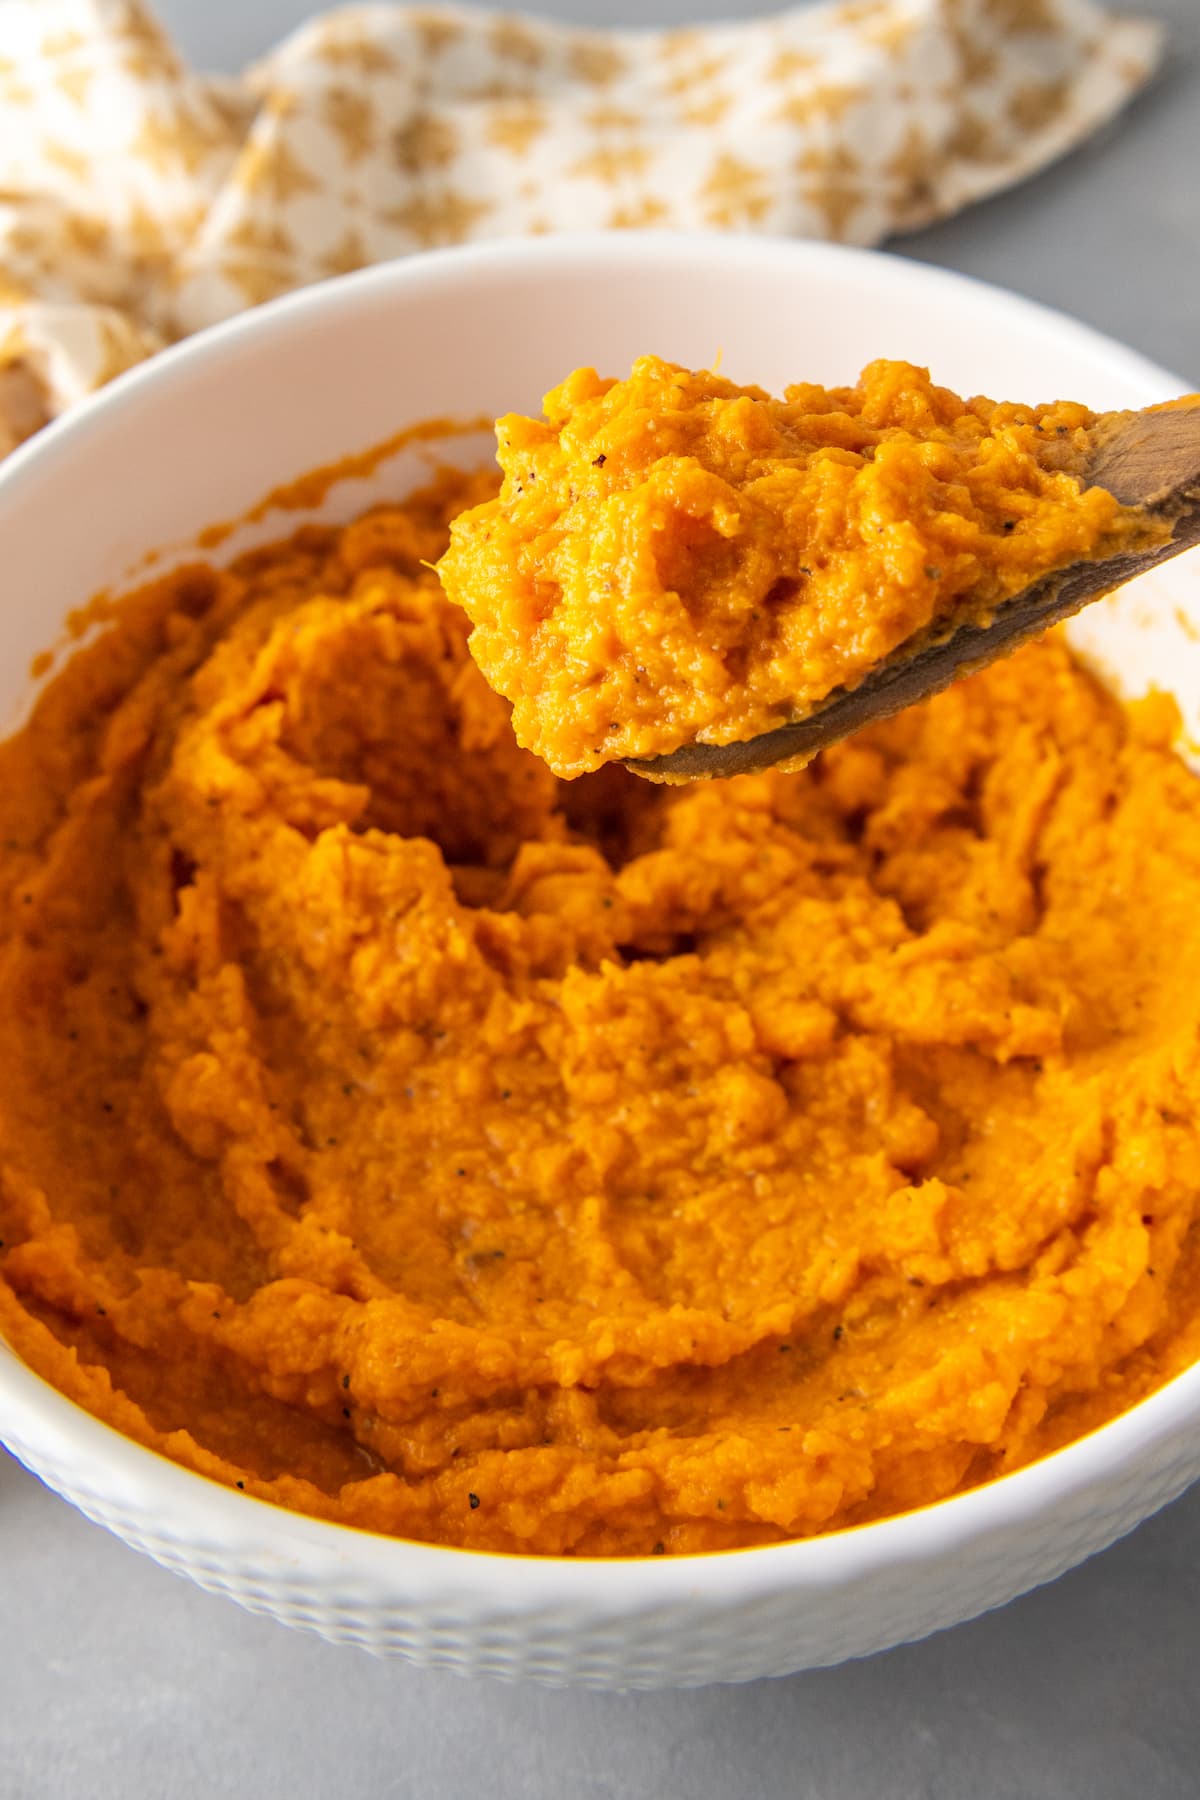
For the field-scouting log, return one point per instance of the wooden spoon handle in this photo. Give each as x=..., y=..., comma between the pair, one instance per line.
x=1151, y=459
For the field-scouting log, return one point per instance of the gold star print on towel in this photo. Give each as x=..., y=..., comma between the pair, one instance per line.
x=140, y=201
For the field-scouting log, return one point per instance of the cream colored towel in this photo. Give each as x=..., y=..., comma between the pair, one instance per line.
x=140, y=201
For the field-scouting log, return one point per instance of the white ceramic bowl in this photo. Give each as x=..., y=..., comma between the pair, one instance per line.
x=197, y=436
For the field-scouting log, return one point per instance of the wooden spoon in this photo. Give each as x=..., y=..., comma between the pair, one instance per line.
x=1148, y=459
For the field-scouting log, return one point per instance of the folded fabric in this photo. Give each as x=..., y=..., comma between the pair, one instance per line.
x=139, y=201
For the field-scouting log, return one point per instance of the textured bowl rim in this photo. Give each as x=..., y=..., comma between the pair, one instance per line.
x=39, y=1422
x=205, y=1513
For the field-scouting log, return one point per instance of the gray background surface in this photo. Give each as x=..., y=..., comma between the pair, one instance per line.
x=119, y=1680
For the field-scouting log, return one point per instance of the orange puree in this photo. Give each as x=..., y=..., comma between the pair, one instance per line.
x=673, y=559
x=418, y=1141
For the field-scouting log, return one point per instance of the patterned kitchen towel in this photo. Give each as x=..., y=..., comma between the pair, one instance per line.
x=140, y=201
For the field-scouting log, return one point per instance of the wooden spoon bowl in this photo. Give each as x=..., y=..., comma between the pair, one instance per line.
x=1149, y=459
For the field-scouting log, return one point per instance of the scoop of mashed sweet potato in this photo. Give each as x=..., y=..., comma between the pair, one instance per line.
x=672, y=559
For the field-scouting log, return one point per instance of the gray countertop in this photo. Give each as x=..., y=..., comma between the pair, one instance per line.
x=119, y=1680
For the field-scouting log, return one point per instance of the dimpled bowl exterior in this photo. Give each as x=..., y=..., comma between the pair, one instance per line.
x=198, y=436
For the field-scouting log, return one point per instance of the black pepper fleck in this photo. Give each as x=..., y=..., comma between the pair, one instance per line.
x=474, y=1501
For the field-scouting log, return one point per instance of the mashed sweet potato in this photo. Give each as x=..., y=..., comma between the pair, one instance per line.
x=415, y=1140
x=672, y=559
